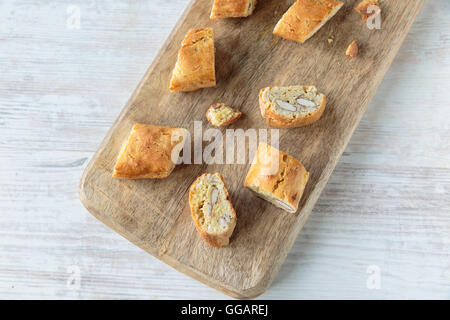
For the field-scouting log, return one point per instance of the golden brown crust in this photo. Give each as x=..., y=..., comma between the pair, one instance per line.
x=278, y=121
x=233, y=118
x=147, y=153
x=352, y=49
x=218, y=239
x=232, y=8
x=195, y=67
x=284, y=181
x=363, y=6
x=304, y=18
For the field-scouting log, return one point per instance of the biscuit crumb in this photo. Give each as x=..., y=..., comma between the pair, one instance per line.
x=352, y=49
x=363, y=6
x=330, y=39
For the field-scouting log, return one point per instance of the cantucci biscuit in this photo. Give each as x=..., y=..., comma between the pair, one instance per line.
x=148, y=152
x=195, y=67
x=289, y=107
x=277, y=178
x=232, y=8
x=305, y=17
x=211, y=209
x=222, y=115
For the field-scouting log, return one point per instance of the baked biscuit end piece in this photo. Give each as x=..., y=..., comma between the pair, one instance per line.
x=195, y=67
x=290, y=107
x=277, y=178
x=148, y=152
x=232, y=8
x=220, y=115
x=211, y=209
x=305, y=17
x=363, y=8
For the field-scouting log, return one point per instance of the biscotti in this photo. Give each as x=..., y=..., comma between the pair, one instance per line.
x=290, y=107
x=232, y=8
x=150, y=152
x=222, y=115
x=211, y=209
x=195, y=67
x=305, y=17
x=365, y=8
x=277, y=178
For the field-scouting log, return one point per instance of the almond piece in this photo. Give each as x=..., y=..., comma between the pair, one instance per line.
x=352, y=50
x=208, y=209
x=306, y=103
x=286, y=105
x=214, y=196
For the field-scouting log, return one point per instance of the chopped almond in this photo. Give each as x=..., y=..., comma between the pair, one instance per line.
x=352, y=49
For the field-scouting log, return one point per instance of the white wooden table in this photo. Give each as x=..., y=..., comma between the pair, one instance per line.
x=381, y=229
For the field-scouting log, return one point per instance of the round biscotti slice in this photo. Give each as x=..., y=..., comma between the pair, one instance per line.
x=211, y=209
x=277, y=178
x=220, y=115
x=290, y=107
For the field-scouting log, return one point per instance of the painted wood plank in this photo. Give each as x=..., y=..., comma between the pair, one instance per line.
x=154, y=214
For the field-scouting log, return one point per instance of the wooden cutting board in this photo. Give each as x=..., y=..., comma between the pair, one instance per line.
x=154, y=214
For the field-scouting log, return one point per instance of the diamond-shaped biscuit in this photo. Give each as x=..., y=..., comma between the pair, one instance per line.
x=148, y=152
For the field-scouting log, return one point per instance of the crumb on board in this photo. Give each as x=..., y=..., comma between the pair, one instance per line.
x=352, y=49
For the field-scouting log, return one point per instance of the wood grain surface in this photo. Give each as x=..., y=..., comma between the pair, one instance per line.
x=61, y=88
x=154, y=214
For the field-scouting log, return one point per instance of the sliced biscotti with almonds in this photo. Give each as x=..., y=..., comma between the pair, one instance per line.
x=232, y=8
x=211, y=209
x=305, y=17
x=277, y=178
x=195, y=67
x=220, y=115
x=290, y=107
